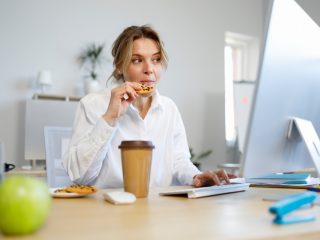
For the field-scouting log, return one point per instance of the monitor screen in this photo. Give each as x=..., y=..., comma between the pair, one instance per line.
x=288, y=86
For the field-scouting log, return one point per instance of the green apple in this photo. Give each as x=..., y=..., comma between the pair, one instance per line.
x=24, y=205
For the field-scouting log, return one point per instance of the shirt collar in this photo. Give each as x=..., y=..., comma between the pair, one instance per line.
x=157, y=101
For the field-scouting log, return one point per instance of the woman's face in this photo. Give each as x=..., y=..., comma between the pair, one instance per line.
x=145, y=66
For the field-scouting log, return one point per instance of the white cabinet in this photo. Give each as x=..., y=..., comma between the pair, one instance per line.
x=46, y=110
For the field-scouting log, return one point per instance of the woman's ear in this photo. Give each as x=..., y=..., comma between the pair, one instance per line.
x=118, y=69
x=120, y=73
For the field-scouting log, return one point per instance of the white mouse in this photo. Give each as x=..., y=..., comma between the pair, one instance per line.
x=118, y=197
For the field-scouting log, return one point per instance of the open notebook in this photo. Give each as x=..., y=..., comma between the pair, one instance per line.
x=207, y=191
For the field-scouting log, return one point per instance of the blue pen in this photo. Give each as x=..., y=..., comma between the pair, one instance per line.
x=314, y=188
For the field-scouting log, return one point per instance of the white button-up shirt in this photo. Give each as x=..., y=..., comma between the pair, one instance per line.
x=94, y=158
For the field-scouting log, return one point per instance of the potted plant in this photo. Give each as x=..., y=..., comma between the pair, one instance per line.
x=91, y=58
x=195, y=158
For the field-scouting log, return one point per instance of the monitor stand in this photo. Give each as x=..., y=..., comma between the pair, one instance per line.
x=304, y=129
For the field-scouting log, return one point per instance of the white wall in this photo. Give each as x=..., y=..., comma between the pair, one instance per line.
x=37, y=34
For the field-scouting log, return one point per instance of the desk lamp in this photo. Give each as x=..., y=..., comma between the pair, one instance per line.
x=44, y=80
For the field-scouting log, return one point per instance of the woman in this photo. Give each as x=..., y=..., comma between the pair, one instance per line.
x=119, y=113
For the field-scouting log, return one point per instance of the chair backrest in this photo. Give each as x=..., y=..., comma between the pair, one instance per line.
x=56, y=143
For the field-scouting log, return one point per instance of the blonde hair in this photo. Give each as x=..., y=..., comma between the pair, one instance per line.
x=122, y=48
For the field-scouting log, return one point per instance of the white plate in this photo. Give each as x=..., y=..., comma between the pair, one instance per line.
x=66, y=195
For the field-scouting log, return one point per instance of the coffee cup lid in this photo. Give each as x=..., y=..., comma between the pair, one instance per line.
x=136, y=144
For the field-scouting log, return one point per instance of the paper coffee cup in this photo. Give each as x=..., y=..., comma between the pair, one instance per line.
x=136, y=157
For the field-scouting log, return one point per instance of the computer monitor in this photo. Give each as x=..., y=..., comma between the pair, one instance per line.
x=288, y=86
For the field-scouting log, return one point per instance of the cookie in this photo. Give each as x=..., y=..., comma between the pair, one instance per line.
x=81, y=189
x=60, y=190
x=145, y=90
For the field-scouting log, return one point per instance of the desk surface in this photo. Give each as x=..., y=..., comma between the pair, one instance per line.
x=241, y=215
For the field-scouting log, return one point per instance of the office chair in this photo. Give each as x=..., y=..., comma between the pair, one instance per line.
x=56, y=143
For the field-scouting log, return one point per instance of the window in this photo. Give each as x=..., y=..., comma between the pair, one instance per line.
x=229, y=97
x=241, y=61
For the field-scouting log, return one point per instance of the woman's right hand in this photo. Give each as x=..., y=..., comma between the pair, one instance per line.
x=121, y=98
x=209, y=178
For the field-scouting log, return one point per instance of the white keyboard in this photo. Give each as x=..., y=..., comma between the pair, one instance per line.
x=207, y=191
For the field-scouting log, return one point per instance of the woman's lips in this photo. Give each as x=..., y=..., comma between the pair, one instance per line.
x=147, y=82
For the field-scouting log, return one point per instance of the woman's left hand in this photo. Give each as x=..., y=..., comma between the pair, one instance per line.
x=209, y=178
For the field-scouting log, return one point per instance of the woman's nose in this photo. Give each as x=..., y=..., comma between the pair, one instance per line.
x=148, y=68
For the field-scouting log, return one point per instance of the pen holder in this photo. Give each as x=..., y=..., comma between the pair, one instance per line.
x=289, y=204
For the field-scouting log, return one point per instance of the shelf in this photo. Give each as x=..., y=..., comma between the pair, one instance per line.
x=55, y=97
x=33, y=173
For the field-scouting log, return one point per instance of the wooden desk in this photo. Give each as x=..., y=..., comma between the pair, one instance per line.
x=233, y=216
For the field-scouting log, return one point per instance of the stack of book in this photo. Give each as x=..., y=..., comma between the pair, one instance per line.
x=284, y=180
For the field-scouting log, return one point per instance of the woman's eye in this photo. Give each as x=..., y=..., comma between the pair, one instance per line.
x=136, y=60
x=156, y=60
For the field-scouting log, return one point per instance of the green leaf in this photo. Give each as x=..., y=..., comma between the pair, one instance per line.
x=90, y=57
x=204, y=154
x=194, y=157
